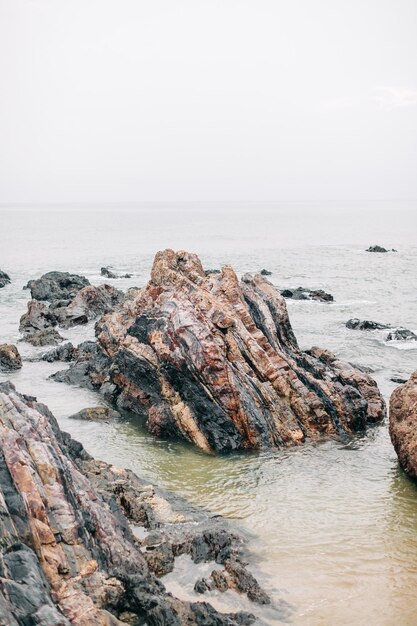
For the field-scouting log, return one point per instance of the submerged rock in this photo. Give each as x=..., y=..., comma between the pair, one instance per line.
x=302, y=293
x=56, y=286
x=4, y=279
x=357, y=324
x=265, y=272
x=214, y=360
x=96, y=413
x=10, y=358
x=68, y=555
x=402, y=334
x=403, y=424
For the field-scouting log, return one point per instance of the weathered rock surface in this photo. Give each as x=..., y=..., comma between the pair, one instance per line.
x=56, y=286
x=10, y=358
x=214, y=360
x=302, y=293
x=96, y=413
x=37, y=325
x=357, y=324
x=68, y=555
x=403, y=424
x=401, y=334
x=72, y=301
x=4, y=279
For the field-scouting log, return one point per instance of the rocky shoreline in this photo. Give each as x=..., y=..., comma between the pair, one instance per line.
x=214, y=360
x=69, y=553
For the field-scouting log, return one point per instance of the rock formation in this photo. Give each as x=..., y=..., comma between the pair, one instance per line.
x=107, y=272
x=401, y=334
x=4, y=279
x=214, y=360
x=72, y=301
x=10, y=358
x=96, y=413
x=403, y=424
x=68, y=553
x=357, y=324
x=302, y=293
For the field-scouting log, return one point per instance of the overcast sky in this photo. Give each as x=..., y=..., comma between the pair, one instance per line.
x=138, y=100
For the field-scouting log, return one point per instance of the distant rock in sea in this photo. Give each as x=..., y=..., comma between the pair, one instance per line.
x=403, y=424
x=379, y=249
x=214, y=360
x=356, y=324
x=402, y=334
x=265, y=272
x=106, y=271
x=4, y=279
x=302, y=293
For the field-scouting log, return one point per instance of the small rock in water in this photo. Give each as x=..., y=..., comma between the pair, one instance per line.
x=4, y=279
x=357, y=324
x=265, y=272
x=10, y=358
x=379, y=249
x=96, y=413
x=402, y=334
x=302, y=293
x=398, y=380
x=106, y=271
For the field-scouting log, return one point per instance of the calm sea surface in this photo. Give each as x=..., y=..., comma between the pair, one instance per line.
x=332, y=527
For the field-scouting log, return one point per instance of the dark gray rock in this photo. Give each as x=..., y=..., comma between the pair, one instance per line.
x=65, y=352
x=302, y=293
x=37, y=325
x=357, y=324
x=401, y=334
x=56, y=286
x=398, y=379
x=265, y=272
x=376, y=249
x=4, y=279
x=10, y=358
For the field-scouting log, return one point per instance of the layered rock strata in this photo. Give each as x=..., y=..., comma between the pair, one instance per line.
x=403, y=424
x=214, y=360
x=68, y=553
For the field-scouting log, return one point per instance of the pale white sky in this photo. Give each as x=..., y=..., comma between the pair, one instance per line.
x=254, y=100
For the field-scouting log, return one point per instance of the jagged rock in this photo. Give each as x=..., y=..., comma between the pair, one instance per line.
x=403, y=424
x=96, y=413
x=4, y=279
x=376, y=249
x=402, y=334
x=301, y=293
x=10, y=358
x=233, y=576
x=67, y=553
x=357, y=324
x=56, y=286
x=37, y=325
x=64, y=352
x=215, y=361
x=265, y=272
x=87, y=304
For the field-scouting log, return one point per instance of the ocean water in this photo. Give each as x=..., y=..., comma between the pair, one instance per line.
x=332, y=527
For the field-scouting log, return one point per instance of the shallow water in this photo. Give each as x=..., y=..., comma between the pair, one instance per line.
x=332, y=526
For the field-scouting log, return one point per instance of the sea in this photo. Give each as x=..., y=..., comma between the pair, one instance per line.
x=331, y=527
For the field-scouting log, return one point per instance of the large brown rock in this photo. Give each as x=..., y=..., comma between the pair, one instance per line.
x=403, y=424
x=67, y=552
x=10, y=358
x=214, y=360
